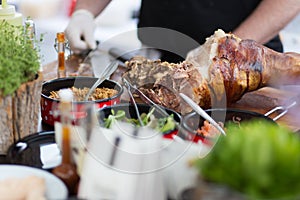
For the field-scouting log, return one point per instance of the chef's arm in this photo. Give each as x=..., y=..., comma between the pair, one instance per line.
x=94, y=6
x=268, y=19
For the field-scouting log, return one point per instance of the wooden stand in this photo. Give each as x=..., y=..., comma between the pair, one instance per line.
x=19, y=113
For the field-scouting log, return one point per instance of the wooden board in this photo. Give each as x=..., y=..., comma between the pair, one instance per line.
x=268, y=98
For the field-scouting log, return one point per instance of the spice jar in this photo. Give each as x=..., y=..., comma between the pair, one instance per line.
x=61, y=45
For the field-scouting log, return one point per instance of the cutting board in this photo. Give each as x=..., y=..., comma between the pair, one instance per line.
x=268, y=98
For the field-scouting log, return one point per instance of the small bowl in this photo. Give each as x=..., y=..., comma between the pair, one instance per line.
x=192, y=121
x=49, y=106
x=130, y=113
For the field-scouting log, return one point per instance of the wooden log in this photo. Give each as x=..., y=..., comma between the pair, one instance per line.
x=19, y=113
x=6, y=127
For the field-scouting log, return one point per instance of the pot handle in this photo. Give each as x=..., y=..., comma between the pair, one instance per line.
x=282, y=110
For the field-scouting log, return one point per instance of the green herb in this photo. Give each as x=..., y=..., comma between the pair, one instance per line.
x=19, y=57
x=120, y=115
x=167, y=124
x=146, y=118
x=164, y=124
x=259, y=159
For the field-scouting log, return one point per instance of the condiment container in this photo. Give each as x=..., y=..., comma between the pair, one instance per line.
x=61, y=61
x=9, y=14
x=67, y=171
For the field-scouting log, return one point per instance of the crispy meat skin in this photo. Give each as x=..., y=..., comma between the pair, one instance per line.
x=224, y=68
x=243, y=65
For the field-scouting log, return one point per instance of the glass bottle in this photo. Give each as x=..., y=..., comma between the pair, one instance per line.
x=66, y=171
x=61, y=44
x=30, y=30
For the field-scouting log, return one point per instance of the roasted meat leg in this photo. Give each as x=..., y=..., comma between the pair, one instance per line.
x=242, y=65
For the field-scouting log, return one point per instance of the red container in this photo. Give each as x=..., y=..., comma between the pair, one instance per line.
x=49, y=106
x=130, y=113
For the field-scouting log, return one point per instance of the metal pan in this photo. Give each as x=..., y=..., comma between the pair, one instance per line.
x=130, y=112
x=192, y=121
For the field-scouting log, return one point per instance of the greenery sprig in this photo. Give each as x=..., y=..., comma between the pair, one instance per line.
x=19, y=57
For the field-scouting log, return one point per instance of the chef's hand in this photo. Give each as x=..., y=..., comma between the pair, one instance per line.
x=80, y=31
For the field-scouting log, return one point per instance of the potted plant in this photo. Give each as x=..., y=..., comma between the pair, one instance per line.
x=20, y=83
x=257, y=160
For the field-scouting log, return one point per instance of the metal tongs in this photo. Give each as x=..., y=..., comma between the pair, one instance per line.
x=129, y=87
x=159, y=109
x=201, y=112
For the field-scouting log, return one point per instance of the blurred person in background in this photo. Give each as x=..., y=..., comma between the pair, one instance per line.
x=259, y=20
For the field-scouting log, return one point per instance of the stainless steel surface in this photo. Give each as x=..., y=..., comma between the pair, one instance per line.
x=201, y=112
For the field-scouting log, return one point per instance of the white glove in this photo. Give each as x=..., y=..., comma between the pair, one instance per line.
x=80, y=31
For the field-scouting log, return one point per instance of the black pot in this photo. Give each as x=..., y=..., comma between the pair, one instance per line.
x=131, y=113
x=192, y=121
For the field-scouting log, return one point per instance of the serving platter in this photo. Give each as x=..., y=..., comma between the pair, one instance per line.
x=55, y=188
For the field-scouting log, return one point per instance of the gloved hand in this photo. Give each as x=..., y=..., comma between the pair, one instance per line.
x=80, y=31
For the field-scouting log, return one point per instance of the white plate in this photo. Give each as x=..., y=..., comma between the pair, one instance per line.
x=55, y=188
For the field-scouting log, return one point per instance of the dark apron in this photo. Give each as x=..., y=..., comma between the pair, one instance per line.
x=185, y=24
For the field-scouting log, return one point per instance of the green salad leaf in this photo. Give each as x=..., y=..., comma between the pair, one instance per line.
x=259, y=159
x=164, y=124
x=120, y=115
x=167, y=124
